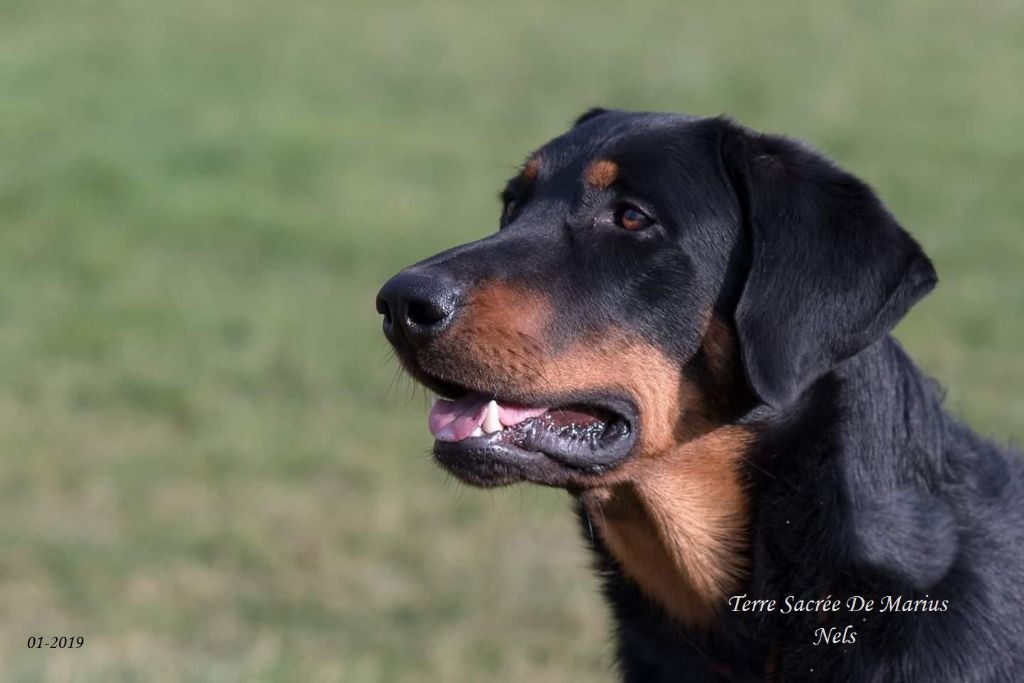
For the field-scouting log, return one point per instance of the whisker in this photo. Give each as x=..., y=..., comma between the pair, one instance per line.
x=389, y=355
x=392, y=385
x=410, y=390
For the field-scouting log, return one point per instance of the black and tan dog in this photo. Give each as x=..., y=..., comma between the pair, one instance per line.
x=684, y=323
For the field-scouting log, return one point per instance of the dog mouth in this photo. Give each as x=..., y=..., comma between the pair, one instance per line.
x=570, y=433
x=487, y=440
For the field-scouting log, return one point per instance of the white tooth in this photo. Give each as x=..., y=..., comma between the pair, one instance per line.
x=477, y=432
x=491, y=422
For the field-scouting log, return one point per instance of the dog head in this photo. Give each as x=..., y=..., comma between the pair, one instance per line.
x=654, y=278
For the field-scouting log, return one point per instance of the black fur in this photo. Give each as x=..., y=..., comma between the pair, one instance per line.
x=860, y=482
x=865, y=487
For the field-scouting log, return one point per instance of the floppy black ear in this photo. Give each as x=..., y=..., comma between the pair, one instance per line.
x=831, y=270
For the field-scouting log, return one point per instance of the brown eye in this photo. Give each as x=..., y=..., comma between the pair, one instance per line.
x=632, y=218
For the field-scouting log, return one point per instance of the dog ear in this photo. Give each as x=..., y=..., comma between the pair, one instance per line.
x=591, y=113
x=831, y=270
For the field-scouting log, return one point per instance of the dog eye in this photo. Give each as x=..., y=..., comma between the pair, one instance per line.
x=632, y=218
x=509, y=205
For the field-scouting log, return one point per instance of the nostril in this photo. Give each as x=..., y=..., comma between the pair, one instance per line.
x=425, y=313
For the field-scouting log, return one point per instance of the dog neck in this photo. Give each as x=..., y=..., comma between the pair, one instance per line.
x=678, y=526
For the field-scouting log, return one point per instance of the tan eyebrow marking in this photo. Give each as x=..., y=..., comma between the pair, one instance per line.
x=601, y=173
x=531, y=170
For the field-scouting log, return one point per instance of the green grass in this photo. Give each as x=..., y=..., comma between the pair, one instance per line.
x=203, y=470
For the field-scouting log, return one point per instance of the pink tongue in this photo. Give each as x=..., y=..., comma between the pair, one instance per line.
x=457, y=420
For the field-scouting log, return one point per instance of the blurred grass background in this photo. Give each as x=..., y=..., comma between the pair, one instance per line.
x=203, y=469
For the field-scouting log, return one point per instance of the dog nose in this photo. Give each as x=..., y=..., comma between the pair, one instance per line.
x=417, y=306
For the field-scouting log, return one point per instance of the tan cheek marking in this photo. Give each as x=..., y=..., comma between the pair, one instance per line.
x=499, y=339
x=617, y=362
x=601, y=173
x=675, y=516
x=505, y=308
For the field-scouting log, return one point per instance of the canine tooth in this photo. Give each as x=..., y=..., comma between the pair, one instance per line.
x=491, y=423
x=477, y=432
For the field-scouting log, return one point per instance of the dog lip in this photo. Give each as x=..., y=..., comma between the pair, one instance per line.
x=484, y=463
x=490, y=460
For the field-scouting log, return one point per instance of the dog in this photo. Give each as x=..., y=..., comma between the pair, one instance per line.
x=685, y=324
